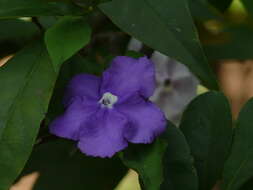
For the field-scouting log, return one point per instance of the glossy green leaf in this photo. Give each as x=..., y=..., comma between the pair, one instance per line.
x=179, y=172
x=146, y=160
x=239, y=166
x=26, y=82
x=166, y=28
x=62, y=166
x=207, y=126
x=27, y=8
x=66, y=37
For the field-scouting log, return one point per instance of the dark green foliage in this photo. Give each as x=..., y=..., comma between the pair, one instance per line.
x=239, y=166
x=174, y=34
x=164, y=164
x=26, y=8
x=62, y=166
x=15, y=34
x=208, y=135
x=179, y=172
x=26, y=82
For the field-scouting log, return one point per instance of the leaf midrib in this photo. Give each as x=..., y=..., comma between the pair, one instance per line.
x=11, y=109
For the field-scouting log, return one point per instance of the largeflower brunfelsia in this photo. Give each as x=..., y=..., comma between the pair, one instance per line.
x=105, y=113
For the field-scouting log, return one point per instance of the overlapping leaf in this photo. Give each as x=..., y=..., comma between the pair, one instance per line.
x=147, y=161
x=66, y=37
x=166, y=26
x=179, y=172
x=239, y=166
x=26, y=82
x=207, y=126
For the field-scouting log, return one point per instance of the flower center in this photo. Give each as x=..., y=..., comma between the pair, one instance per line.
x=108, y=100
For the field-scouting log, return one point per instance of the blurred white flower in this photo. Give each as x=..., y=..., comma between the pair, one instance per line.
x=176, y=85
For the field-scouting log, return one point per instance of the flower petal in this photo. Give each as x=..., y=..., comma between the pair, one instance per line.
x=82, y=85
x=68, y=124
x=180, y=71
x=146, y=121
x=102, y=134
x=128, y=75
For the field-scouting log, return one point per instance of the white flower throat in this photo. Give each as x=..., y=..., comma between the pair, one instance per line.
x=108, y=100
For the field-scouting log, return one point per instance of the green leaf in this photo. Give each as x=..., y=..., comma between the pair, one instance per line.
x=14, y=34
x=134, y=54
x=66, y=37
x=26, y=82
x=146, y=160
x=62, y=166
x=166, y=26
x=179, y=172
x=239, y=166
x=160, y=165
x=207, y=126
x=28, y=8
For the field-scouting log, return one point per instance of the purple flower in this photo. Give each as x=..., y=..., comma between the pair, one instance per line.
x=105, y=113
